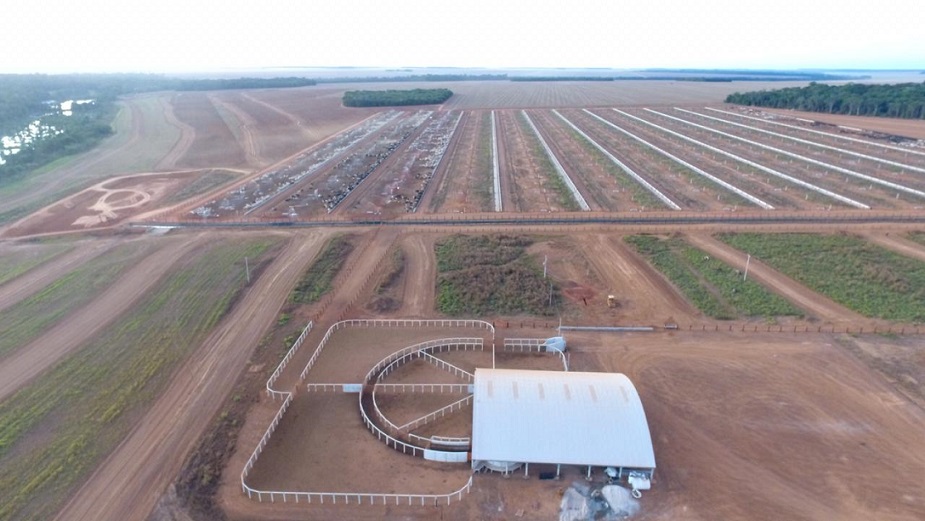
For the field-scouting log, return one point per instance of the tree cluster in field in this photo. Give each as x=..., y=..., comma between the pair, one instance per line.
x=901, y=100
x=393, y=98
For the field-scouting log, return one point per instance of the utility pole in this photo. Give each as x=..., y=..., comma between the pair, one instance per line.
x=747, y=262
x=545, y=258
x=247, y=270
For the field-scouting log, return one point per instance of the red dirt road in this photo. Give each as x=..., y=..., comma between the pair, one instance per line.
x=420, y=276
x=129, y=482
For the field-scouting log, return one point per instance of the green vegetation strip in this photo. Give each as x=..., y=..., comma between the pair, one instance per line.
x=318, y=278
x=714, y=287
x=15, y=263
x=28, y=319
x=564, y=195
x=491, y=274
x=641, y=196
x=859, y=275
x=54, y=432
x=392, y=98
x=918, y=237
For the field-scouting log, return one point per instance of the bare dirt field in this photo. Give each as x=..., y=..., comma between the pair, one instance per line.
x=751, y=418
x=118, y=199
x=896, y=127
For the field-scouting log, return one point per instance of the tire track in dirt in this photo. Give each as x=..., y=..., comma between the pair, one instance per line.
x=181, y=147
x=897, y=244
x=295, y=121
x=129, y=482
x=80, y=326
x=247, y=140
x=32, y=281
x=632, y=279
x=814, y=303
x=418, y=294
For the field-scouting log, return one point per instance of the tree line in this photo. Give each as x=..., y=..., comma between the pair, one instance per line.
x=901, y=100
x=389, y=98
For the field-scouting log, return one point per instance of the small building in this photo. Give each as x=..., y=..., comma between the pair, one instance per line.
x=589, y=420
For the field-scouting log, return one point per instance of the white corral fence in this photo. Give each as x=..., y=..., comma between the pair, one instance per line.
x=439, y=413
x=476, y=324
x=368, y=497
x=358, y=498
x=423, y=388
x=392, y=362
x=536, y=345
x=282, y=365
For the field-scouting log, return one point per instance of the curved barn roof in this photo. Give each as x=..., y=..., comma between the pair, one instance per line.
x=559, y=417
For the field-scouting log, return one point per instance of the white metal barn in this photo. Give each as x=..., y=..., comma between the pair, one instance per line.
x=560, y=418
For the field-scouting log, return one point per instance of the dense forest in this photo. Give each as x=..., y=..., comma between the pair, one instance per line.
x=389, y=98
x=901, y=100
x=27, y=98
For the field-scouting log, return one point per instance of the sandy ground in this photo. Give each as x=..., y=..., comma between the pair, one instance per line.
x=898, y=127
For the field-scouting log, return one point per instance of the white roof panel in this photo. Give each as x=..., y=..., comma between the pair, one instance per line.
x=559, y=417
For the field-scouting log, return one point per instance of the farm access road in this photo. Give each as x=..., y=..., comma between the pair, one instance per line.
x=80, y=327
x=129, y=482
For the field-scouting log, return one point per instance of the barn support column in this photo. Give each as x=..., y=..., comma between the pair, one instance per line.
x=558, y=470
x=589, y=473
x=526, y=470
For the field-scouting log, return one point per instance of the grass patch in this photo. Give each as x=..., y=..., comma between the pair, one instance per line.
x=491, y=274
x=918, y=237
x=713, y=286
x=859, y=275
x=14, y=263
x=318, y=278
x=55, y=431
x=31, y=317
x=485, y=166
x=387, y=289
x=202, y=184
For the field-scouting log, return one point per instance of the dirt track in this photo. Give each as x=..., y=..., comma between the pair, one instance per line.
x=81, y=326
x=801, y=296
x=151, y=456
x=420, y=276
x=34, y=280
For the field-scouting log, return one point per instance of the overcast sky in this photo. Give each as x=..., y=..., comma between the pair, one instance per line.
x=191, y=35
